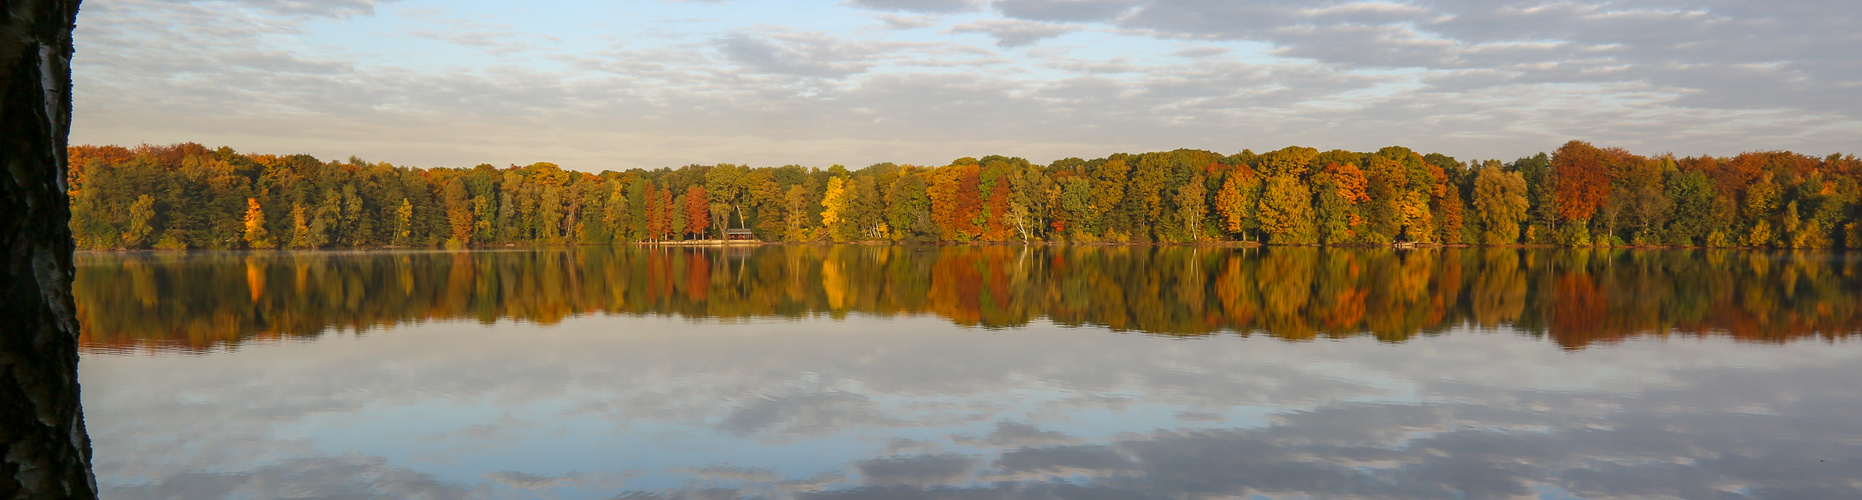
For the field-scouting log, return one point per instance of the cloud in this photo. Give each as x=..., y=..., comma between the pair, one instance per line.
x=801, y=415
x=898, y=22
x=1011, y=33
x=1036, y=462
x=309, y=477
x=1689, y=47
x=798, y=54
x=1016, y=434
x=1202, y=51
x=928, y=6
x=525, y=481
x=319, y=8
x=491, y=38
x=729, y=473
x=1456, y=450
x=1483, y=415
x=917, y=470
x=1065, y=10
x=1466, y=78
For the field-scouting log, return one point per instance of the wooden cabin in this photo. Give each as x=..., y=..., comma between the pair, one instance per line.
x=735, y=234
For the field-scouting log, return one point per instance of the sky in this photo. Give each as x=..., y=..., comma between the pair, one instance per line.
x=598, y=85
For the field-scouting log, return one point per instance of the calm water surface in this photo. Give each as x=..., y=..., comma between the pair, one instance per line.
x=960, y=372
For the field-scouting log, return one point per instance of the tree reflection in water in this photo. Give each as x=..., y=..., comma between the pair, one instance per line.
x=1577, y=297
x=836, y=372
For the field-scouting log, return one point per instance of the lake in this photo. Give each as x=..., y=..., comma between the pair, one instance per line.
x=974, y=372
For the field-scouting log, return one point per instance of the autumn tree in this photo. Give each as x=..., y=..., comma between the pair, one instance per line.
x=771, y=206
x=1340, y=189
x=1499, y=204
x=1286, y=211
x=833, y=206
x=669, y=210
x=300, y=226
x=727, y=184
x=1760, y=203
x=141, y=222
x=1109, y=180
x=638, y=209
x=1237, y=200
x=1388, y=187
x=908, y=208
x=1034, y=195
x=676, y=214
x=998, y=221
x=697, y=211
x=866, y=216
x=1643, y=196
x=1542, y=215
x=1292, y=161
x=1582, y=179
x=616, y=213
x=1445, y=201
x=458, y=213
x=655, y=216
x=190, y=196
x=1074, y=214
x=1142, y=206
x=1192, y=206
x=956, y=203
x=255, y=234
x=796, y=213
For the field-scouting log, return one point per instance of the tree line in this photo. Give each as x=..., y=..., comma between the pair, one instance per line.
x=1574, y=297
x=188, y=196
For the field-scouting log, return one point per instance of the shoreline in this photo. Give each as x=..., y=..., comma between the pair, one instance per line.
x=757, y=243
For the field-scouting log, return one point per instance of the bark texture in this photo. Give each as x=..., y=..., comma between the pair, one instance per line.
x=44, y=452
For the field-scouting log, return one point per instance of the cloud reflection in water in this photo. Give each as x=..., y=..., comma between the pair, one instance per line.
x=917, y=408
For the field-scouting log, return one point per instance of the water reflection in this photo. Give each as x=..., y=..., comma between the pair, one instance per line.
x=498, y=381
x=1577, y=297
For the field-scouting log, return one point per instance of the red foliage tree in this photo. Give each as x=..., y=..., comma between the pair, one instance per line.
x=697, y=211
x=667, y=210
x=1582, y=180
x=956, y=201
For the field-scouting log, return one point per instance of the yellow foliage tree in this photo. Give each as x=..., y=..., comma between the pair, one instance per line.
x=797, y=201
x=1286, y=211
x=141, y=222
x=300, y=227
x=1293, y=161
x=1417, y=219
x=833, y=206
x=1191, y=207
x=403, y=221
x=1500, y=204
x=255, y=233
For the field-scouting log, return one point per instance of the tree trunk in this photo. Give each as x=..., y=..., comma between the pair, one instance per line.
x=44, y=452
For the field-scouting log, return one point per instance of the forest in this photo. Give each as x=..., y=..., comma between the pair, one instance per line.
x=1575, y=297
x=186, y=196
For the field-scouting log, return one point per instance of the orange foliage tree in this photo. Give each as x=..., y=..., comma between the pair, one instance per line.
x=996, y=214
x=656, y=216
x=697, y=211
x=1236, y=200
